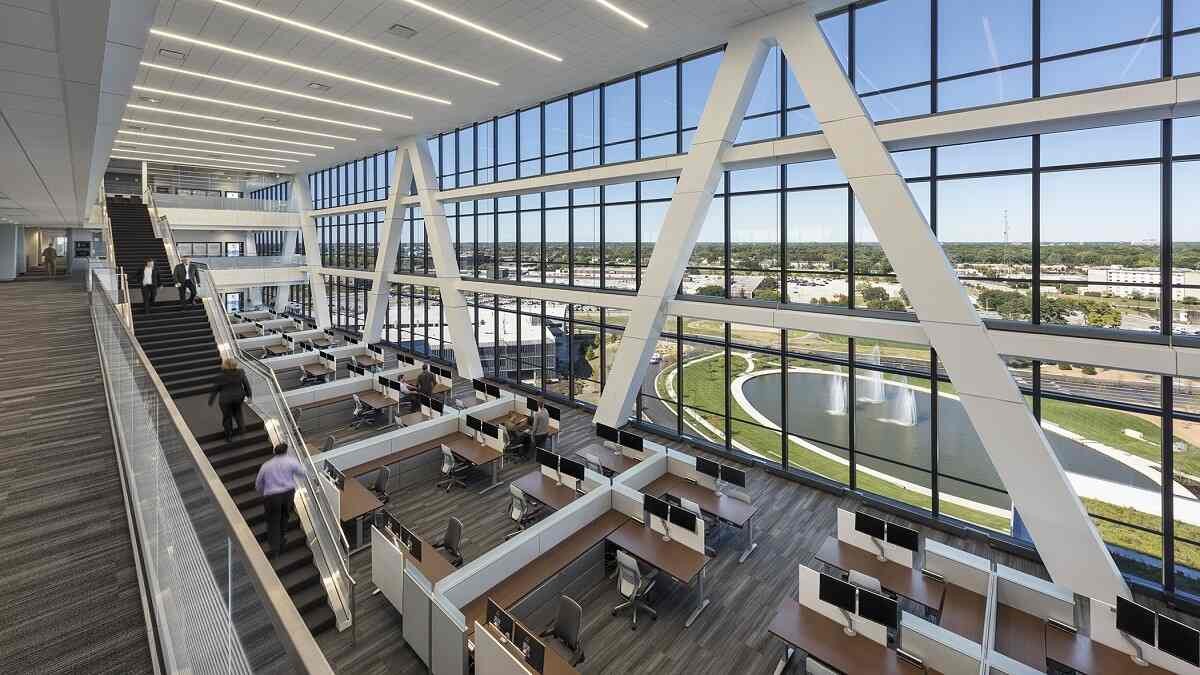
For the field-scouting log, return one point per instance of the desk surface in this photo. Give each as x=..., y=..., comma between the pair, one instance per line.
x=608, y=459
x=376, y=400
x=511, y=417
x=316, y=369
x=398, y=456
x=963, y=613
x=366, y=360
x=726, y=508
x=671, y=557
x=321, y=341
x=432, y=565
x=892, y=576
x=1089, y=657
x=470, y=449
x=545, y=489
x=244, y=328
x=552, y=664
x=357, y=501
x=1020, y=636
x=278, y=350
x=522, y=582
x=814, y=634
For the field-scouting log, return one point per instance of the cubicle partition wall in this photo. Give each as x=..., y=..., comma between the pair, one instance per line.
x=847, y=533
x=809, y=597
x=1103, y=619
x=940, y=649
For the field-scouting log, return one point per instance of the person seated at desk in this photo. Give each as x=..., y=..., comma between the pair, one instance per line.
x=407, y=397
x=518, y=437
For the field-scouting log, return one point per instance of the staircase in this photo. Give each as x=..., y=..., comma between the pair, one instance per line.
x=179, y=342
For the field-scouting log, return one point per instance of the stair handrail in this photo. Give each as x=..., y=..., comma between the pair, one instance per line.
x=329, y=531
x=122, y=280
x=162, y=228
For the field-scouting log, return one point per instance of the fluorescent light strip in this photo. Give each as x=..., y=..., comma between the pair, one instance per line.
x=203, y=159
x=626, y=15
x=215, y=152
x=231, y=121
x=130, y=120
x=244, y=106
x=178, y=163
x=273, y=90
x=226, y=145
x=291, y=64
x=482, y=29
x=353, y=41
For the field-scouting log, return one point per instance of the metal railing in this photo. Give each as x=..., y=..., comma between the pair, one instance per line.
x=217, y=606
x=269, y=402
x=224, y=203
x=112, y=278
x=251, y=261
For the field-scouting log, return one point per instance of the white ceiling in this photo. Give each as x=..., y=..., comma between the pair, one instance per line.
x=595, y=45
x=63, y=66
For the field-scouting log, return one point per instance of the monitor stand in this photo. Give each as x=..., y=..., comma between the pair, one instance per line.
x=666, y=531
x=848, y=629
x=559, y=474
x=882, y=555
x=1136, y=656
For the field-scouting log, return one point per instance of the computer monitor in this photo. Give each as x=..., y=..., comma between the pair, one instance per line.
x=608, y=433
x=530, y=647
x=1135, y=620
x=493, y=390
x=547, y=459
x=473, y=423
x=572, y=468
x=870, y=525
x=655, y=506
x=394, y=385
x=490, y=430
x=903, y=537
x=684, y=518
x=555, y=413
x=412, y=542
x=836, y=592
x=532, y=404
x=436, y=406
x=479, y=386
x=1179, y=640
x=878, y=608
x=631, y=441
x=708, y=467
x=499, y=619
x=733, y=476
x=383, y=381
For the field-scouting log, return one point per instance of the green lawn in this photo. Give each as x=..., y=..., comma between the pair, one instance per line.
x=1108, y=427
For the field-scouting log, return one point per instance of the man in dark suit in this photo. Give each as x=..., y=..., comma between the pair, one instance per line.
x=185, y=280
x=425, y=382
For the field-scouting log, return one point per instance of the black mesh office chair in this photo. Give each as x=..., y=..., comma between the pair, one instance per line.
x=452, y=541
x=565, y=631
x=381, y=484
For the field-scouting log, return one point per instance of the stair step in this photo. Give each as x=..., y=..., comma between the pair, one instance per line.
x=249, y=465
x=292, y=560
x=213, y=442
x=183, y=358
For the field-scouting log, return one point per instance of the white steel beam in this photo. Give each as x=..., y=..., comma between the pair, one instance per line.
x=1066, y=538
x=283, y=291
x=389, y=244
x=312, y=251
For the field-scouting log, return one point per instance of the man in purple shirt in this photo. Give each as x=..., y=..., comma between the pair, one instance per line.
x=276, y=482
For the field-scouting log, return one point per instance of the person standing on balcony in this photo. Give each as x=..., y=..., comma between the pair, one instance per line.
x=276, y=482
x=185, y=279
x=149, y=285
x=232, y=388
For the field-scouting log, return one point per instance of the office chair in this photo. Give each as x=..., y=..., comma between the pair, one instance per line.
x=452, y=541
x=329, y=443
x=362, y=415
x=710, y=524
x=633, y=585
x=566, y=627
x=381, y=484
x=520, y=511
x=865, y=581
x=591, y=461
x=815, y=667
x=451, y=470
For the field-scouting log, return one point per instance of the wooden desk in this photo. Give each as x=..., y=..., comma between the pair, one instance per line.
x=552, y=663
x=316, y=370
x=802, y=628
x=398, y=456
x=673, y=558
x=357, y=501
x=545, y=489
x=511, y=417
x=1088, y=657
x=367, y=360
x=377, y=401
x=244, y=329
x=478, y=454
x=736, y=512
x=612, y=463
x=524, y=581
x=892, y=576
x=1020, y=636
x=278, y=350
x=432, y=565
x=321, y=342
x=963, y=613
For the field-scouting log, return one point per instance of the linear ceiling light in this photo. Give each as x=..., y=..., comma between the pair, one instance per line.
x=148, y=123
x=220, y=143
x=231, y=121
x=482, y=29
x=273, y=90
x=141, y=144
x=179, y=163
x=244, y=106
x=359, y=43
x=626, y=15
x=292, y=64
x=203, y=159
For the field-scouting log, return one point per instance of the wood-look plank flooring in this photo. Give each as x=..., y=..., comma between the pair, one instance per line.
x=69, y=599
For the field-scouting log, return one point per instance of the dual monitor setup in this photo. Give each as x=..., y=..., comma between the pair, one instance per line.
x=486, y=428
x=881, y=530
x=622, y=438
x=851, y=599
x=387, y=523
x=485, y=388
x=426, y=401
x=562, y=466
x=669, y=514
x=335, y=475
x=721, y=472
x=530, y=647
x=1173, y=637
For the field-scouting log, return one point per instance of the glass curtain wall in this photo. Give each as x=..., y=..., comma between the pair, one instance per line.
x=416, y=322
x=362, y=180
x=278, y=192
x=350, y=240
x=347, y=302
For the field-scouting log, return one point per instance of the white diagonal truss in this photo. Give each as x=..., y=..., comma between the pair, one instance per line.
x=312, y=252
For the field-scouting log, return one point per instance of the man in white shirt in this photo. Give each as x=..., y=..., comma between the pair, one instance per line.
x=406, y=395
x=149, y=285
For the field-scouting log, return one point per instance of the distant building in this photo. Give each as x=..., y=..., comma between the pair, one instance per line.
x=1100, y=280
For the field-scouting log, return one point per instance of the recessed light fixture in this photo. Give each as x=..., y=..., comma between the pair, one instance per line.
x=150, y=99
x=297, y=66
x=482, y=29
x=249, y=124
x=175, y=154
x=226, y=133
x=626, y=15
x=269, y=120
x=204, y=142
x=366, y=45
x=212, y=153
x=317, y=86
x=273, y=90
x=172, y=55
x=401, y=31
x=173, y=162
